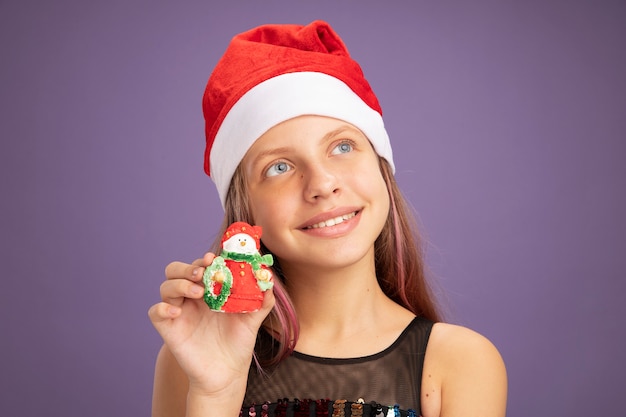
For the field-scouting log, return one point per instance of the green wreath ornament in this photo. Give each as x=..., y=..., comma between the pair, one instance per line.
x=216, y=301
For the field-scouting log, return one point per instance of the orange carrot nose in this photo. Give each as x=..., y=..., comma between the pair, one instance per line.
x=242, y=243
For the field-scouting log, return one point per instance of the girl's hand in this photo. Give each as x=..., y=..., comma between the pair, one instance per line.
x=214, y=349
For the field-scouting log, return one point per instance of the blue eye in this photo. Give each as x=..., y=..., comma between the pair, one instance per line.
x=277, y=169
x=343, y=147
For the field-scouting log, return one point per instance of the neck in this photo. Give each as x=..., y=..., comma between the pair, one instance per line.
x=341, y=304
x=333, y=298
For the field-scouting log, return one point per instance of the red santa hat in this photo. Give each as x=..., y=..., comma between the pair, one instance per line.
x=274, y=73
x=243, y=227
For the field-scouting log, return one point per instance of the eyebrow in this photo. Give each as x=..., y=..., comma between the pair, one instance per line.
x=270, y=152
x=339, y=131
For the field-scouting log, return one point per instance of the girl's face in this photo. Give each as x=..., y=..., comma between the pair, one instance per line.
x=315, y=187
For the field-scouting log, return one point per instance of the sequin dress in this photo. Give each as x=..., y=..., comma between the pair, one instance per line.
x=385, y=384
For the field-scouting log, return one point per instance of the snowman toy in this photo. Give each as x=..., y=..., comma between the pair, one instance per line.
x=236, y=280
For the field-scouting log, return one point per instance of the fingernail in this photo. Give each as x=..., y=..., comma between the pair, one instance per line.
x=196, y=289
x=195, y=272
x=174, y=311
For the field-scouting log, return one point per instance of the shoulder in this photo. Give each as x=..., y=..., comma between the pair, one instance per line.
x=464, y=374
x=459, y=343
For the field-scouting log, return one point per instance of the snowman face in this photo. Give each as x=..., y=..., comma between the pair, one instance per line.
x=240, y=243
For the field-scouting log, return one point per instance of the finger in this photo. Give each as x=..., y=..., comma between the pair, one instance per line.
x=175, y=291
x=206, y=260
x=268, y=301
x=175, y=270
x=268, y=304
x=181, y=270
x=161, y=312
x=199, y=265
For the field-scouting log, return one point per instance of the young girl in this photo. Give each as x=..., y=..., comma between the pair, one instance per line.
x=296, y=144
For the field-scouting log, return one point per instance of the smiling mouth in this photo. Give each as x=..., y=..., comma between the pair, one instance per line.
x=333, y=221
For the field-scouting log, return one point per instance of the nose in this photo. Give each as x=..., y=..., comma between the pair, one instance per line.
x=319, y=182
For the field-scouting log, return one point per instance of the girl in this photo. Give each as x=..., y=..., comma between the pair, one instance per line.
x=296, y=145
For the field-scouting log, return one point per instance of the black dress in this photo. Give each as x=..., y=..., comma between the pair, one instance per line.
x=387, y=383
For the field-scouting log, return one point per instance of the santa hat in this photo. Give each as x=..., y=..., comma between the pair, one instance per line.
x=243, y=227
x=274, y=73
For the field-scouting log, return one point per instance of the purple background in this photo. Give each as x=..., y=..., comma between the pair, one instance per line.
x=508, y=121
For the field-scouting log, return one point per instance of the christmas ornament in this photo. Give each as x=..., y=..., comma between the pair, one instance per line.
x=236, y=280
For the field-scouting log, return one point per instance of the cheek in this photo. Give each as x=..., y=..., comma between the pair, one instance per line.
x=269, y=211
x=274, y=233
x=372, y=185
x=383, y=197
x=369, y=180
x=275, y=213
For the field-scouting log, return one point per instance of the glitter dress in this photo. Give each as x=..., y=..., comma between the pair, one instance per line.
x=384, y=384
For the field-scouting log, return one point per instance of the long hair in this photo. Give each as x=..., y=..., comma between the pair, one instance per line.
x=283, y=315
x=399, y=263
x=399, y=258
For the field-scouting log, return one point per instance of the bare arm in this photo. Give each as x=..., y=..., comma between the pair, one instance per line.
x=464, y=375
x=171, y=385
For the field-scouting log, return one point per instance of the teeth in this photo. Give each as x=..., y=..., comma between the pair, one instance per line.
x=332, y=222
